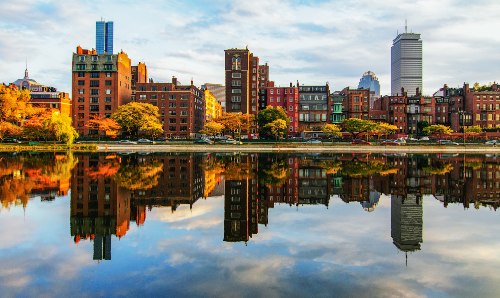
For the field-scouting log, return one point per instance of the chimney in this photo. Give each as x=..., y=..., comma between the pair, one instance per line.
x=174, y=81
x=290, y=84
x=417, y=92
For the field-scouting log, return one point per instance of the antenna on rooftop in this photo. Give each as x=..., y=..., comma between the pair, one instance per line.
x=406, y=25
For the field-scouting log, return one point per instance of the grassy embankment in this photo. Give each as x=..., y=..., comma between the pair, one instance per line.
x=48, y=147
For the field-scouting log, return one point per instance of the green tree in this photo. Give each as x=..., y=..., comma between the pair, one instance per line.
x=278, y=128
x=212, y=128
x=356, y=126
x=421, y=125
x=438, y=129
x=134, y=117
x=269, y=115
x=331, y=130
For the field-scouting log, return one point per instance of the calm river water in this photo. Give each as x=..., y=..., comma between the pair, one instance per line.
x=249, y=225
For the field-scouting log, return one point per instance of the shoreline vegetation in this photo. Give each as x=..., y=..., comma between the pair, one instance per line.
x=250, y=147
x=49, y=147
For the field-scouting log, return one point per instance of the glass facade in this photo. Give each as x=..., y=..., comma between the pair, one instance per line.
x=370, y=81
x=104, y=37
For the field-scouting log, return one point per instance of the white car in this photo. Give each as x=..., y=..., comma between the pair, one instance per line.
x=424, y=139
x=492, y=142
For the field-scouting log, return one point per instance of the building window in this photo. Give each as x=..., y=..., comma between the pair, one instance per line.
x=290, y=108
x=236, y=75
x=94, y=91
x=108, y=82
x=171, y=104
x=236, y=63
x=94, y=108
x=81, y=83
x=236, y=91
x=107, y=99
x=81, y=91
x=108, y=91
x=107, y=108
x=235, y=98
x=80, y=67
x=236, y=83
x=108, y=75
x=81, y=74
x=94, y=100
x=94, y=83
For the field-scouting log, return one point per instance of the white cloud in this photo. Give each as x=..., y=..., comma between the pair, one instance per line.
x=312, y=42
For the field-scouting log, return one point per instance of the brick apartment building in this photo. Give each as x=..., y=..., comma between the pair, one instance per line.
x=100, y=84
x=313, y=106
x=181, y=107
x=288, y=99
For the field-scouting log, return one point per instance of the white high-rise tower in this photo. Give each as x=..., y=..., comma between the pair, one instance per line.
x=406, y=63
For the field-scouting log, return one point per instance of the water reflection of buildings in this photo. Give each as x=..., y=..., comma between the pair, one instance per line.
x=110, y=191
x=407, y=222
x=25, y=176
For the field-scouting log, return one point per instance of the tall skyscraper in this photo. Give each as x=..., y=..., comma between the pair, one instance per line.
x=104, y=37
x=406, y=63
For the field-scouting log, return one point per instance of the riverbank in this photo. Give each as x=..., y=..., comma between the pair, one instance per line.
x=41, y=147
x=285, y=147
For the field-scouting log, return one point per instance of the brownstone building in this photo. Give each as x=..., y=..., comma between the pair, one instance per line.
x=238, y=68
x=100, y=84
x=181, y=107
x=357, y=103
x=483, y=105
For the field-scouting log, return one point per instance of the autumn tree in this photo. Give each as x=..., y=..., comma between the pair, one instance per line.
x=106, y=125
x=8, y=129
x=356, y=126
x=278, y=128
x=50, y=125
x=212, y=128
x=384, y=128
x=14, y=104
x=61, y=129
x=331, y=130
x=235, y=122
x=269, y=115
x=134, y=117
x=438, y=129
x=473, y=129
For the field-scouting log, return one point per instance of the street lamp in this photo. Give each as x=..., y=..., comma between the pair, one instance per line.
x=462, y=117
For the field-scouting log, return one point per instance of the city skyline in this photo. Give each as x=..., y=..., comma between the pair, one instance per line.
x=316, y=45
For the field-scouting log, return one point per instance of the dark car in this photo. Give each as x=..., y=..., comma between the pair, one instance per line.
x=360, y=142
x=144, y=141
x=204, y=141
x=11, y=140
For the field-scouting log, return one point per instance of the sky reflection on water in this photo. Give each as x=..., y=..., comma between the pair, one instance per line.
x=332, y=249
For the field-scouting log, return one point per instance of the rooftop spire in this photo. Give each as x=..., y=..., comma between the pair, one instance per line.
x=26, y=70
x=406, y=25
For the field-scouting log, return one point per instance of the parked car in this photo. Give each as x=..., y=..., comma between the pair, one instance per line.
x=313, y=141
x=10, y=140
x=127, y=142
x=492, y=142
x=424, y=139
x=203, y=141
x=360, y=142
x=229, y=141
x=447, y=142
x=390, y=143
x=144, y=141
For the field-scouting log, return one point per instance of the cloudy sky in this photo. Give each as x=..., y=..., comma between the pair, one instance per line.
x=310, y=41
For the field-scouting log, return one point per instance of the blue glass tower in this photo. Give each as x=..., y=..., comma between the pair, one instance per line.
x=370, y=81
x=104, y=37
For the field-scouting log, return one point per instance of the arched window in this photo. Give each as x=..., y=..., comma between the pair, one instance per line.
x=236, y=63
